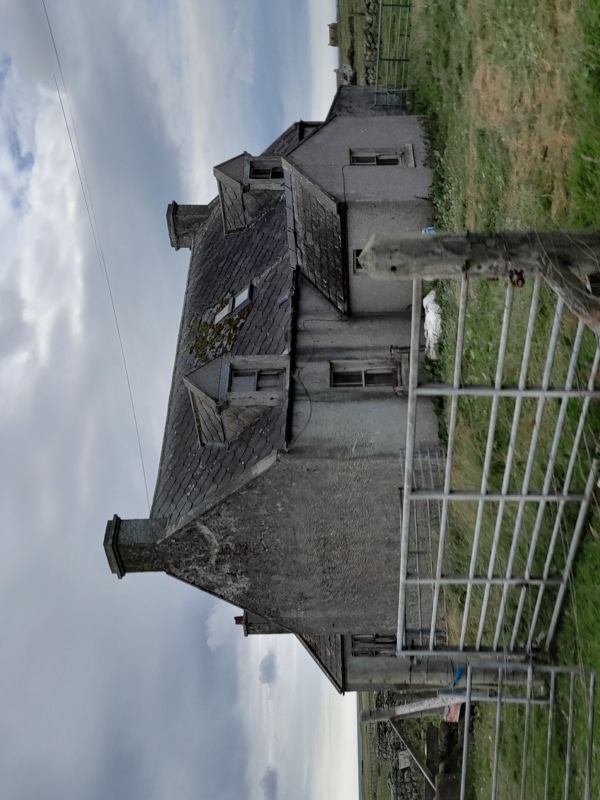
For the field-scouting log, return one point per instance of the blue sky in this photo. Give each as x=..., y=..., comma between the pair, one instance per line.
x=142, y=687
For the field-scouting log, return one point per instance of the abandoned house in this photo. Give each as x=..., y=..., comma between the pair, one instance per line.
x=278, y=483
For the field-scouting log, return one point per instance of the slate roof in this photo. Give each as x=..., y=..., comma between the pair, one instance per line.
x=190, y=475
x=241, y=206
x=318, y=236
x=291, y=138
x=327, y=652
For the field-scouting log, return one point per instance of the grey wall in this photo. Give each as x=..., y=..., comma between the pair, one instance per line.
x=379, y=199
x=325, y=158
x=365, y=218
x=349, y=423
x=359, y=100
x=312, y=544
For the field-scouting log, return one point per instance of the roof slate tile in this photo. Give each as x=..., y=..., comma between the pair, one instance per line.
x=220, y=265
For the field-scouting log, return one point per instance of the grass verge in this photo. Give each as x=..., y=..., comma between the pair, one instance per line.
x=512, y=93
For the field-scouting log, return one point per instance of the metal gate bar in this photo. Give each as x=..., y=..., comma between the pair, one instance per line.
x=391, y=83
x=549, y=497
x=541, y=693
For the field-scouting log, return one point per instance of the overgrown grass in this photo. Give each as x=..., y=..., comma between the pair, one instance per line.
x=512, y=93
x=351, y=23
x=374, y=774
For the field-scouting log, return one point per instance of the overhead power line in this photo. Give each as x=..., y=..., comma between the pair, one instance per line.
x=87, y=197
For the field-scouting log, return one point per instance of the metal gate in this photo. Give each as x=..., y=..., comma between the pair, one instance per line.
x=503, y=511
x=392, y=63
x=508, y=584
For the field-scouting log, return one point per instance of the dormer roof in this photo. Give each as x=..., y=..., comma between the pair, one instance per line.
x=242, y=200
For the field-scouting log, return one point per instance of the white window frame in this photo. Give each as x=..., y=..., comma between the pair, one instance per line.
x=265, y=173
x=383, y=156
x=366, y=370
x=254, y=394
x=255, y=375
x=236, y=303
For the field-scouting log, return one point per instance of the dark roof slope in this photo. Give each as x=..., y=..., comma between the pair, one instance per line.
x=189, y=475
x=291, y=138
x=318, y=236
x=327, y=652
x=241, y=205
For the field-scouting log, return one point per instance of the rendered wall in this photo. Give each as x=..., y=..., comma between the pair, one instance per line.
x=325, y=158
x=369, y=296
x=349, y=422
x=379, y=199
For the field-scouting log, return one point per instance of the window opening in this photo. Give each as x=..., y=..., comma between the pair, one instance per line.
x=262, y=173
x=357, y=266
x=384, y=157
x=347, y=376
x=223, y=312
x=256, y=380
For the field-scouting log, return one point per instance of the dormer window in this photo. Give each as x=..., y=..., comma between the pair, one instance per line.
x=256, y=380
x=265, y=172
x=236, y=303
x=259, y=173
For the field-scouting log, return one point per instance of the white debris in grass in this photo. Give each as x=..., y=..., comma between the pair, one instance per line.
x=432, y=325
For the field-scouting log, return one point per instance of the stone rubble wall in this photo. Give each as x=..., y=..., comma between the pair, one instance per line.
x=403, y=784
x=371, y=36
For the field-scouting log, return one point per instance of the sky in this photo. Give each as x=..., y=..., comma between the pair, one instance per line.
x=141, y=688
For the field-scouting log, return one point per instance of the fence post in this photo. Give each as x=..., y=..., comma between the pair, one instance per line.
x=566, y=260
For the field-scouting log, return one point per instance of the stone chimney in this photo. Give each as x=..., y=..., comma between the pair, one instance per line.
x=131, y=545
x=183, y=222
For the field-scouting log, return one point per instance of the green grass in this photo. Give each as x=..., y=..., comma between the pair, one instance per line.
x=374, y=774
x=351, y=25
x=512, y=93
x=579, y=635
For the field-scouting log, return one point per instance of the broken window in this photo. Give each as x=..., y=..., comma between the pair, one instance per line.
x=356, y=265
x=256, y=380
x=350, y=374
x=264, y=172
x=384, y=157
x=236, y=303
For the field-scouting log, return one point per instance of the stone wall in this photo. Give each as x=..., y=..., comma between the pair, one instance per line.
x=371, y=37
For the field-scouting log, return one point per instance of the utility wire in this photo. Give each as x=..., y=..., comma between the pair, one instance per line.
x=96, y=237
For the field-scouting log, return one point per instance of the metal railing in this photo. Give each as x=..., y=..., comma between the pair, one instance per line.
x=548, y=697
x=489, y=586
x=494, y=623
x=393, y=59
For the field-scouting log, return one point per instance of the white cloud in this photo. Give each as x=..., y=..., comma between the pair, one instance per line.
x=324, y=59
x=267, y=670
x=114, y=690
x=220, y=625
x=42, y=240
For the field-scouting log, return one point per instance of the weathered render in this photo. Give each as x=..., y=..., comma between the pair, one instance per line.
x=278, y=484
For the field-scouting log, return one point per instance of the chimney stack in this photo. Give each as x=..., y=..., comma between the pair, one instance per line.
x=183, y=222
x=131, y=545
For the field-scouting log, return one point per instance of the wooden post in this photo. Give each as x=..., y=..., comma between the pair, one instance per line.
x=438, y=702
x=566, y=259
